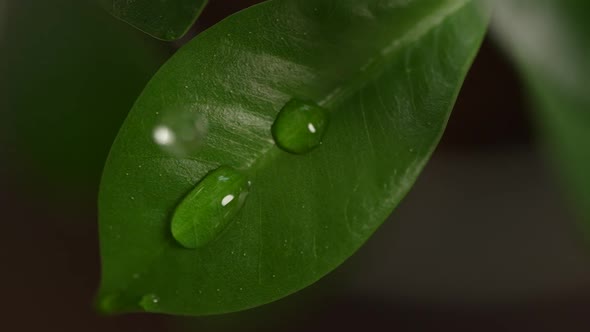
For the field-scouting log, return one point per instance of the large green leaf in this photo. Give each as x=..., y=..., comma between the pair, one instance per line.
x=549, y=41
x=388, y=72
x=163, y=19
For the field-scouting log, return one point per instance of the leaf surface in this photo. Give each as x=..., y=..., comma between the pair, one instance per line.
x=388, y=73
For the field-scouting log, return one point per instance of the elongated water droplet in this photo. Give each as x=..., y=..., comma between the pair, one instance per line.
x=300, y=126
x=149, y=301
x=207, y=210
x=181, y=133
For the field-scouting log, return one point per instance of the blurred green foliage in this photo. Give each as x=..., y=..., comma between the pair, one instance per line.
x=549, y=39
x=70, y=74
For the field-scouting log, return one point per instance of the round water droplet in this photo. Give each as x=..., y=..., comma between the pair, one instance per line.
x=149, y=301
x=300, y=126
x=181, y=133
x=209, y=208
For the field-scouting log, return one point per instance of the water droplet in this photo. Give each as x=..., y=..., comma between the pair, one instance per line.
x=181, y=134
x=209, y=208
x=136, y=276
x=149, y=301
x=300, y=126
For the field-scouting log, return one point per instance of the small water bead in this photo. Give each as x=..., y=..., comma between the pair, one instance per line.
x=149, y=301
x=181, y=133
x=299, y=126
x=210, y=207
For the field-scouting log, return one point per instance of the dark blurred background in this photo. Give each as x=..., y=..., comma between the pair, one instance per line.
x=484, y=242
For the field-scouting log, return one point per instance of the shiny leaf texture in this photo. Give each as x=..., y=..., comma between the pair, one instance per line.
x=549, y=41
x=162, y=19
x=387, y=73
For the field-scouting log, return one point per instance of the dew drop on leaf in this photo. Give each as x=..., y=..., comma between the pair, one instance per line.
x=181, y=133
x=299, y=126
x=149, y=301
x=209, y=208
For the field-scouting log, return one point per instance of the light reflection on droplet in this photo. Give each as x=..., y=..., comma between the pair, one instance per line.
x=164, y=136
x=227, y=199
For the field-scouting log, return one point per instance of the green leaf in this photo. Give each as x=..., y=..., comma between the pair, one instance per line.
x=162, y=19
x=549, y=41
x=388, y=73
